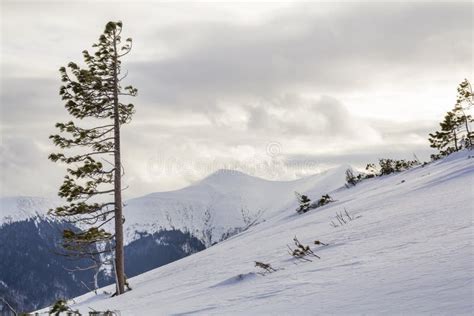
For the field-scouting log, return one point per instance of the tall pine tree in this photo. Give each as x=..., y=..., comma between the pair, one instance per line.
x=93, y=95
x=446, y=140
x=455, y=130
x=464, y=103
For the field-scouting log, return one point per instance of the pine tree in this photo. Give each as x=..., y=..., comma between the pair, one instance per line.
x=455, y=131
x=446, y=140
x=464, y=102
x=93, y=93
x=387, y=166
x=372, y=170
x=59, y=307
x=325, y=199
x=351, y=179
x=304, y=201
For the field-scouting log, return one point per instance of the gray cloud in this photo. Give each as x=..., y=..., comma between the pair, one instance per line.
x=31, y=100
x=216, y=88
x=302, y=50
x=325, y=119
x=25, y=169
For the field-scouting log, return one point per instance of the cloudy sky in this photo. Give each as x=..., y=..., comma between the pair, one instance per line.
x=278, y=90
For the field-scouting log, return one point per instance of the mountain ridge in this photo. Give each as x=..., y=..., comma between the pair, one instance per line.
x=228, y=198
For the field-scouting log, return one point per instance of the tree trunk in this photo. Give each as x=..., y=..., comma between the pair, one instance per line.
x=466, y=123
x=455, y=140
x=119, y=256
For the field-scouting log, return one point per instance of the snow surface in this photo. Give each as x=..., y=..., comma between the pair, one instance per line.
x=410, y=251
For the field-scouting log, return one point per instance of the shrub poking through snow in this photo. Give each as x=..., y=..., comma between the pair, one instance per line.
x=61, y=306
x=389, y=166
x=106, y=313
x=305, y=203
x=301, y=251
x=265, y=266
x=325, y=199
x=317, y=242
x=343, y=218
x=371, y=170
x=351, y=179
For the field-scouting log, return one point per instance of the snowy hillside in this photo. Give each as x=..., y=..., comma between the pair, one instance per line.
x=408, y=250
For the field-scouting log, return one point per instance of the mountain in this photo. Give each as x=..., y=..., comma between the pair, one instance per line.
x=32, y=275
x=19, y=208
x=404, y=248
x=222, y=204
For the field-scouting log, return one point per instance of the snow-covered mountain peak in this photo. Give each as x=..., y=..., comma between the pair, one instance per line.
x=223, y=203
x=229, y=178
x=225, y=174
x=18, y=208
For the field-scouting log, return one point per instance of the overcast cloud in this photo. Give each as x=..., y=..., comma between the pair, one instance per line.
x=276, y=90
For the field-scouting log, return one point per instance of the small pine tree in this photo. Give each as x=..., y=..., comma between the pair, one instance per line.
x=464, y=102
x=351, y=179
x=371, y=169
x=389, y=166
x=325, y=199
x=447, y=140
x=385, y=166
x=304, y=201
x=455, y=130
x=58, y=307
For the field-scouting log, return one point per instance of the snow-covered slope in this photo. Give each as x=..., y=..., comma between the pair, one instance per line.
x=222, y=204
x=409, y=250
